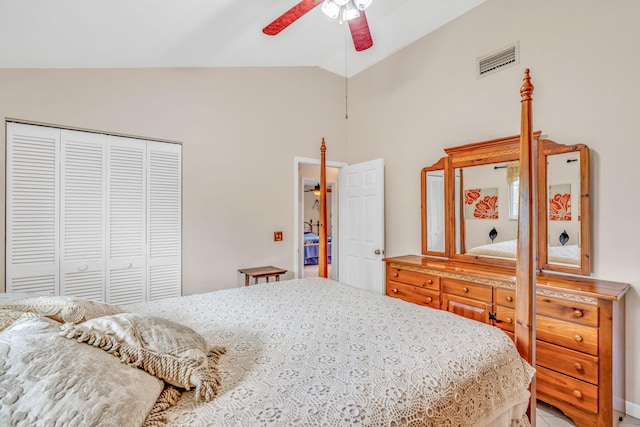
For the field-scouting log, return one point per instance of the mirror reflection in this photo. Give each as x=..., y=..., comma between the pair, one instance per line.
x=435, y=214
x=487, y=209
x=563, y=208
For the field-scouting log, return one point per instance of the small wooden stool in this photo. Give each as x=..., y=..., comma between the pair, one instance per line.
x=258, y=272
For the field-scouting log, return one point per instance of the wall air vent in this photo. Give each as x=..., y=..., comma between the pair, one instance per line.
x=504, y=58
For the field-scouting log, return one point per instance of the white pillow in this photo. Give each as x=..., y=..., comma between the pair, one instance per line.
x=63, y=309
x=166, y=349
x=46, y=379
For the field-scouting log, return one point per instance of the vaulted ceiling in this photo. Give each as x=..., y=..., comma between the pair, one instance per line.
x=205, y=33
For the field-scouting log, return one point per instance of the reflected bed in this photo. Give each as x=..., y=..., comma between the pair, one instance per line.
x=568, y=254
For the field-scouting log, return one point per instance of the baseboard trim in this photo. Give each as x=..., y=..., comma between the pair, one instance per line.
x=632, y=409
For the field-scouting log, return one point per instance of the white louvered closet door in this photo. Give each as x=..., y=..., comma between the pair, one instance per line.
x=83, y=213
x=126, y=224
x=164, y=200
x=32, y=249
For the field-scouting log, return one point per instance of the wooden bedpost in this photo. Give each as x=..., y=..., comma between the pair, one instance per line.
x=322, y=244
x=525, y=333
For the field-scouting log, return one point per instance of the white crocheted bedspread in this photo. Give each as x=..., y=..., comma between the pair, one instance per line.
x=315, y=352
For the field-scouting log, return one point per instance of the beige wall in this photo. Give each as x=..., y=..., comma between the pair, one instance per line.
x=240, y=130
x=584, y=65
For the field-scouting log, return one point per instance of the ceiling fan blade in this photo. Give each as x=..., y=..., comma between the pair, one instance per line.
x=360, y=32
x=290, y=16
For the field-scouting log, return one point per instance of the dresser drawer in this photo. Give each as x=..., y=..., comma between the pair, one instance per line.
x=567, y=334
x=567, y=389
x=567, y=310
x=414, y=294
x=416, y=278
x=569, y=362
x=560, y=309
x=505, y=318
x=468, y=290
x=505, y=297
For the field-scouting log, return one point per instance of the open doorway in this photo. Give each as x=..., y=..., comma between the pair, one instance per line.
x=311, y=224
x=307, y=217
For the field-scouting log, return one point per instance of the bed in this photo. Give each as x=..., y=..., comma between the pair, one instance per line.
x=318, y=352
x=567, y=254
x=311, y=248
x=303, y=352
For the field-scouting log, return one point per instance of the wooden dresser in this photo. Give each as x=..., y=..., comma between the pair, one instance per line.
x=579, y=326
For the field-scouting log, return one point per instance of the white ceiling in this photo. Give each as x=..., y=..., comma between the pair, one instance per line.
x=204, y=33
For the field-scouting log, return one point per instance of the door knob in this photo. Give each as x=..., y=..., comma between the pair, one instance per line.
x=377, y=252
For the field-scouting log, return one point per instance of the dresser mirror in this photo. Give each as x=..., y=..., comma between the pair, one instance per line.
x=432, y=181
x=486, y=199
x=470, y=204
x=563, y=194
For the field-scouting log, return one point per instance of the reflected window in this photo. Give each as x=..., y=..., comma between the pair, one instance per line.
x=514, y=190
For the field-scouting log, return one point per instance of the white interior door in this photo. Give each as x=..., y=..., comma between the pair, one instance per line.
x=126, y=225
x=361, y=235
x=32, y=239
x=83, y=222
x=164, y=219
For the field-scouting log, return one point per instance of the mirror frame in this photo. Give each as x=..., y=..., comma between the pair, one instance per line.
x=505, y=150
x=439, y=165
x=547, y=147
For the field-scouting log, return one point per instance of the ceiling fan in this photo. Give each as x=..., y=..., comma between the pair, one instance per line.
x=316, y=190
x=351, y=11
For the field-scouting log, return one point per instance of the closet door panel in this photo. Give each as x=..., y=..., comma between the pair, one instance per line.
x=32, y=219
x=126, y=224
x=83, y=223
x=164, y=221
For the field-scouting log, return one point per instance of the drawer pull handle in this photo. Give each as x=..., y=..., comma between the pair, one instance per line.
x=465, y=289
x=578, y=313
x=394, y=290
x=509, y=299
x=395, y=274
x=429, y=299
x=577, y=394
x=508, y=320
x=429, y=282
x=578, y=366
x=578, y=338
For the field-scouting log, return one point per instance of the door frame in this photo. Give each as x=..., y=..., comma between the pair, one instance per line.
x=298, y=221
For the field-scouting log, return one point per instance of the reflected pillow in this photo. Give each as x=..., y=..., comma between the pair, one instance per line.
x=46, y=379
x=63, y=309
x=166, y=349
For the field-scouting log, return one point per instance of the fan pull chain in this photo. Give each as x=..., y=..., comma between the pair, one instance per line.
x=346, y=78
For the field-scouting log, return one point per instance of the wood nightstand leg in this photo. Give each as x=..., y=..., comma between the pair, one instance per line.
x=246, y=280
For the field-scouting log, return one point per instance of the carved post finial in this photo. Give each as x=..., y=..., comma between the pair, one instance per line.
x=526, y=90
x=323, y=147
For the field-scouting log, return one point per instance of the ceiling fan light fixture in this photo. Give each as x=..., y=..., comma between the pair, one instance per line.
x=330, y=9
x=345, y=10
x=349, y=12
x=362, y=4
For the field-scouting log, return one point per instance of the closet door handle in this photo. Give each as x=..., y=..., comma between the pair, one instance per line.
x=83, y=268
